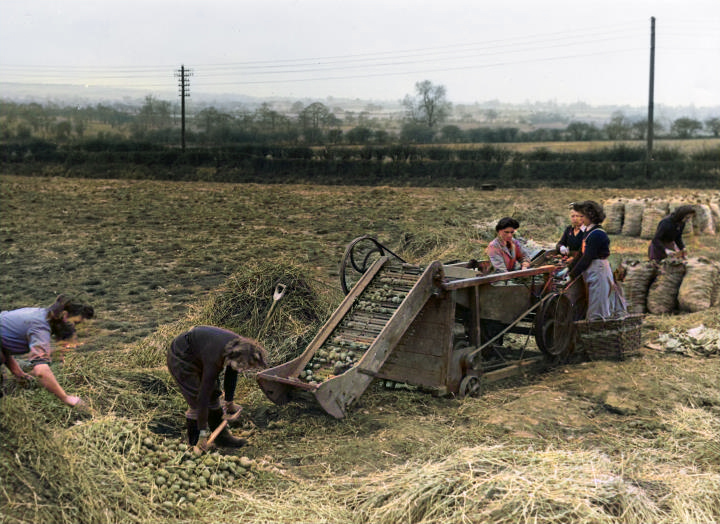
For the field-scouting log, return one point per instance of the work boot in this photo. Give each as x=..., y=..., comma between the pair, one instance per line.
x=193, y=433
x=230, y=408
x=224, y=439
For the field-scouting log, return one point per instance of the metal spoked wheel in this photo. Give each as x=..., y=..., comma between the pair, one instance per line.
x=470, y=386
x=554, y=327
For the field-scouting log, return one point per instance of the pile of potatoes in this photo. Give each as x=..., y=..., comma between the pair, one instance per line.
x=176, y=475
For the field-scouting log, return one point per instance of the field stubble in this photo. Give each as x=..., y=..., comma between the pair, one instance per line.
x=596, y=442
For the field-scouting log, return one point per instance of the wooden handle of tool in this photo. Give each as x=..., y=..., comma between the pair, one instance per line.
x=218, y=430
x=222, y=425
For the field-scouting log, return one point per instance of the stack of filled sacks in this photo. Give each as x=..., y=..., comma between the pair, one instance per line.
x=639, y=217
x=614, y=215
x=672, y=285
x=632, y=223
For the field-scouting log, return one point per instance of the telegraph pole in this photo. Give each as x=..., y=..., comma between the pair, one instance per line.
x=651, y=97
x=183, y=75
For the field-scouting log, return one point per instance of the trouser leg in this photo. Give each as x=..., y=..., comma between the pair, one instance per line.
x=193, y=433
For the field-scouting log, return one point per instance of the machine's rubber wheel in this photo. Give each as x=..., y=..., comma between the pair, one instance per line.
x=359, y=255
x=470, y=386
x=554, y=327
x=362, y=259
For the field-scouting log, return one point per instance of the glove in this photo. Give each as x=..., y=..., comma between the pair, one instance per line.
x=564, y=250
x=562, y=273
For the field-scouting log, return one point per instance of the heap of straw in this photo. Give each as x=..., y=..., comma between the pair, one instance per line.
x=243, y=304
x=505, y=485
x=244, y=301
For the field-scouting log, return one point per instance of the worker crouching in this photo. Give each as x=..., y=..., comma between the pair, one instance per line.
x=196, y=359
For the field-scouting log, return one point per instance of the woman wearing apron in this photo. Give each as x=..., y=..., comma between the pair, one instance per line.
x=605, y=300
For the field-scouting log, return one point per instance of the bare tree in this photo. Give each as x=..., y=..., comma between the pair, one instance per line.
x=429, y=106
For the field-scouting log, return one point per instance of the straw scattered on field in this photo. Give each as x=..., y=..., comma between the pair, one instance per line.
x=502, y=484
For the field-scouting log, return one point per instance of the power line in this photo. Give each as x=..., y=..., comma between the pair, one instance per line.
x=420, y=71
x=546, y=47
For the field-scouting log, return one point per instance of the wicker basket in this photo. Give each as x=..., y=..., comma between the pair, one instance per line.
x=610, y=339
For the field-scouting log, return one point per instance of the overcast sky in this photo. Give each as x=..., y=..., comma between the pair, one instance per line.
x=593, y=51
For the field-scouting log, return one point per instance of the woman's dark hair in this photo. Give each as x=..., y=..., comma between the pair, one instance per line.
x=681, y=212
x=593, y=211
x=65, y=303
x=61, y=329
x=507, y=222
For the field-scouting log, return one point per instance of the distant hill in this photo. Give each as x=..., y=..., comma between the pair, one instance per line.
x=69, y=94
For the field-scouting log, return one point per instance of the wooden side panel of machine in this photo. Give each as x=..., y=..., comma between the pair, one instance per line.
x=422, y=355
x=503, y=302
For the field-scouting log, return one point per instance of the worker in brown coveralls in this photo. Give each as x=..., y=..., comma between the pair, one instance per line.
x=195, y=359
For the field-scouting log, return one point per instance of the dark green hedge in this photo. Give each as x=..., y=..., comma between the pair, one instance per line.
x=387, y=165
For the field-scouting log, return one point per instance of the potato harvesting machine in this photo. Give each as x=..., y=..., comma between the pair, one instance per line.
x=426, y=326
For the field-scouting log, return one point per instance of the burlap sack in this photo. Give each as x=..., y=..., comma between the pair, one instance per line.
x=715, y=296
x=635, y=285
x=703, y=220
x=654, y=212
x=632, y=225
x=715, y=212
x=614, y=216
x=663, y=292
x=698, y=284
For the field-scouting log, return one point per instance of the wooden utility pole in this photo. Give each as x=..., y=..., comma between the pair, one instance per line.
x=183, y=75
x=651, y=101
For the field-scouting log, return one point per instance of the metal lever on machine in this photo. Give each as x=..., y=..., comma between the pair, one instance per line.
x=468, y=359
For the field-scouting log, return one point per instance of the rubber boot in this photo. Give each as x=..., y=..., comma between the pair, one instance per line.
x=193, y=433
x=224, y=439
